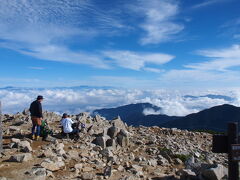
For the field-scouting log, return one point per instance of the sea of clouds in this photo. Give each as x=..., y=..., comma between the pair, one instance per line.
x=76, y=100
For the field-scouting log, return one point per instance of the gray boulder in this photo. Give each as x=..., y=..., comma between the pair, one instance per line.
x=187, y=174
x=21, y=157
x=111, y=143
x=122, y=140
x=112, y=131
x=37, y=173
x=100, y=141
x=119, y=123
x=215, y=173
x=24, y=146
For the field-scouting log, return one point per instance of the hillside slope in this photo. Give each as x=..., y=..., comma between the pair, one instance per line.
x=215, y=118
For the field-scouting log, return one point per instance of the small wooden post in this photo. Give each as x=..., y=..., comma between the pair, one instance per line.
x=233, y=169
x=1, y=147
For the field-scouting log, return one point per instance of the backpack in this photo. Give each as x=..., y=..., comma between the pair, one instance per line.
x=45, y=131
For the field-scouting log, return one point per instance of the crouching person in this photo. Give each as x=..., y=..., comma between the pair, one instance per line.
x=67, y=125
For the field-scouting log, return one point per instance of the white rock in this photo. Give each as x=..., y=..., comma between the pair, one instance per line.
x=25, y=146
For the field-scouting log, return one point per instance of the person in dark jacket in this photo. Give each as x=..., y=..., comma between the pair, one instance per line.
x=36, y=116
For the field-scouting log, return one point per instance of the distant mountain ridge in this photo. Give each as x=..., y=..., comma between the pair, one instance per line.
x=215, y=118
x=132, y=114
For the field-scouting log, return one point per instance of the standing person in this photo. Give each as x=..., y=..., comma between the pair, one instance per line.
x=36, y=116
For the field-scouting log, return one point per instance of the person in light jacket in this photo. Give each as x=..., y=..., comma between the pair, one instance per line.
x=67, y=125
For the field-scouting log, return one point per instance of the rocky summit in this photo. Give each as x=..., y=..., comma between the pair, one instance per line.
x=107, y=149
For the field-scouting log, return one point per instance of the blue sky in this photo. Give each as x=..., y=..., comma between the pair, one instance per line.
x=131, y=44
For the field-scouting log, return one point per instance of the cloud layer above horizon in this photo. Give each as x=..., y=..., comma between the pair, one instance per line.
x=74, y=101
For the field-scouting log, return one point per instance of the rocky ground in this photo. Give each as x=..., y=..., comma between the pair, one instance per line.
x=109, y=150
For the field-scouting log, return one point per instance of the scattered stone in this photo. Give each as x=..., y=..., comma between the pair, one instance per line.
x=136, y=169
x=24, y=146
x=49, y=174
x=14, y=128
x=112, y=146
x=37, y=173
x=21, y=157
x=73, y=154
x=153, y=162
x=87, y=176
x=106, y=152
x=15, y=140
x=51, y=165
x=87, y=169
x=78, y=166
x=162, y=160
x=48, y=153
x=120, y=168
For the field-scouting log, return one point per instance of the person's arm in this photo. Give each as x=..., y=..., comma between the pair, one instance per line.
x=31, y=108
x=62, y=122
x=71, y=121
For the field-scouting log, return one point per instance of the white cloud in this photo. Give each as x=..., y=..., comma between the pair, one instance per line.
x=208, y=3
x=137, y=61
x=158, y=21
x=36, y=68
x=62, y=54
x=231, y=52
x=231, y=29
x=214, y=72
x=155, y=70
x=194, y=78
x=70, y=100
x=44, y=29
x=150, y=111
x=222, y=59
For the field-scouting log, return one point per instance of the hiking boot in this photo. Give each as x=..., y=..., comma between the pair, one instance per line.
x=33, y=137
x=38, y=137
